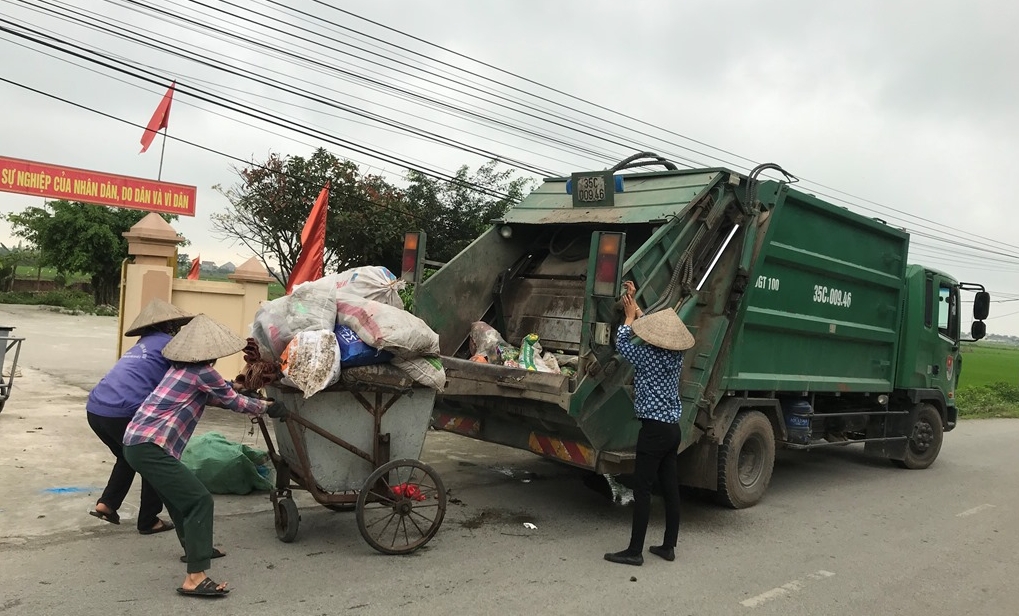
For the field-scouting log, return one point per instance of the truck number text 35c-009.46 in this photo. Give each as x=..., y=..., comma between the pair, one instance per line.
x=834, y=297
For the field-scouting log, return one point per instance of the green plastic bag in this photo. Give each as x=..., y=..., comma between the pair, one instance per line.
x=225, y=467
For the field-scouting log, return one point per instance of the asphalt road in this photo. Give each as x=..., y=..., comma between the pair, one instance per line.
x=838, y=532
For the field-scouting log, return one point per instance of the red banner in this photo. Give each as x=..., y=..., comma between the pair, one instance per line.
x=53, y=181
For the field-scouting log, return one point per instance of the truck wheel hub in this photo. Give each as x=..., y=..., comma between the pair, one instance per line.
x=923, y=435
x=751, y=457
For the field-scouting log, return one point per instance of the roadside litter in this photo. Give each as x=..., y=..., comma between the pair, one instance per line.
x=488, y=346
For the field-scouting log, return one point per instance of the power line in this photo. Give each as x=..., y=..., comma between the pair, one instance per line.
x=248, y=110
x=919, y=233
x=204, y=147
x=602, y=107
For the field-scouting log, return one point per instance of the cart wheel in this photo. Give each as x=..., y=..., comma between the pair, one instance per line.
x=287, y=520
x=401, y=506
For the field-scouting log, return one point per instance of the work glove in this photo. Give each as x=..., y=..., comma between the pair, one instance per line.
x=276, y=410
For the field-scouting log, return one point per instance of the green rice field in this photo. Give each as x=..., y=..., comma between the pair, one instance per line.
x=989, y=382
x=986, y=363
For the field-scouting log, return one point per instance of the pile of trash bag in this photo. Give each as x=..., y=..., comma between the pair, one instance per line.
x=354, y=318
x=488, y=346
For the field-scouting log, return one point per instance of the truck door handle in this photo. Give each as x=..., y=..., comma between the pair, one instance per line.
x=935, y=369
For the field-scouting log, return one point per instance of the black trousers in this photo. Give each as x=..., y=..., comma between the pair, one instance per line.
x=110, y=431
x=657, y=458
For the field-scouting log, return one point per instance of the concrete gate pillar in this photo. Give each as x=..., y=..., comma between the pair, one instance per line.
x=152, y=243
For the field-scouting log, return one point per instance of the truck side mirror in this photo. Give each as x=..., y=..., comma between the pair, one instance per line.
x=981, y=305
x=978, y=331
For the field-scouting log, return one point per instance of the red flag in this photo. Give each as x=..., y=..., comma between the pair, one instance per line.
x=160, y=119
x=196, y=268
x=313, y=244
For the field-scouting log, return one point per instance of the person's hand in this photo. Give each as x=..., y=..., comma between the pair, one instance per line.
x=629, y=288
x=629, y=308
x=276, y=410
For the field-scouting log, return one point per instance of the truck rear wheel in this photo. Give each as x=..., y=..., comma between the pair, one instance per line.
x=926, y=433
x=746, y=460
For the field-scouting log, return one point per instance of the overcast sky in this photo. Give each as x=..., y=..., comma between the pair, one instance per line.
x=907, y=107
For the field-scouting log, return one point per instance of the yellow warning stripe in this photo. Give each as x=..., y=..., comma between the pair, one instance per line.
x=568, y=451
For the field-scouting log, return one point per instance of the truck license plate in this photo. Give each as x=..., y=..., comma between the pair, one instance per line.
x=591, y=189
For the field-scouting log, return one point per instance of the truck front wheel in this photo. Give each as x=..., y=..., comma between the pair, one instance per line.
x=926, y=434
x=746, y=460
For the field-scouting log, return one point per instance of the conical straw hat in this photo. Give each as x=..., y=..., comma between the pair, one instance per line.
x=155, y=312
x=664, y=329
x=201, y=340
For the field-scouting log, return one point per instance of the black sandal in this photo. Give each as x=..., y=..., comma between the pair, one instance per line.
x=205, y=588
x=112, y=517
x=161, y=528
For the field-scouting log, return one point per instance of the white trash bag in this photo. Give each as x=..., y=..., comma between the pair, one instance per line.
x=311, y=361
x=382, y=326
x=310, y=307
x=370, y=282
x=427, y=371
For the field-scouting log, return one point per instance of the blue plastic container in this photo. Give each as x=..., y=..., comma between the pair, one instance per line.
x=797, y=420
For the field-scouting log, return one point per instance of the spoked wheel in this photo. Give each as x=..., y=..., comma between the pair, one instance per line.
x=401, y=506
x=287, y=520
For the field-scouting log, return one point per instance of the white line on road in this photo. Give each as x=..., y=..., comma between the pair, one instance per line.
x=785, y=589
x=978, y=509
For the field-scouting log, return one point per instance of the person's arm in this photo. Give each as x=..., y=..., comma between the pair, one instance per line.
x=223, y=395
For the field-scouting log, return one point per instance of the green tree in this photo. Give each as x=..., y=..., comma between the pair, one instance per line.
x=183, y=264
x=454, y=213
x=75, y=237
x=364, y=225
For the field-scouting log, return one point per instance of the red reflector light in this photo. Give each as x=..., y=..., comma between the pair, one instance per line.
x=606, y=269
x=410, y=257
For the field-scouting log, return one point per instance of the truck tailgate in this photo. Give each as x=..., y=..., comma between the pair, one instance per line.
x=469, y=378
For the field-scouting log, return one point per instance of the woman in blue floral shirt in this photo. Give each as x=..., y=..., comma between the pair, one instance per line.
x=657, y=363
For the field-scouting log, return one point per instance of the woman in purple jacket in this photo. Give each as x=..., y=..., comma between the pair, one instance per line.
x=113, y=402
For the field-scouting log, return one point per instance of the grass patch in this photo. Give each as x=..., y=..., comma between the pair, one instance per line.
x=68, y=299
x=31, y=272
x=990, y=400
x=989, y=382
x=987, y=363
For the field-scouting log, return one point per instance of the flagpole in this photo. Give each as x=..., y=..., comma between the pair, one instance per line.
x=159, y=177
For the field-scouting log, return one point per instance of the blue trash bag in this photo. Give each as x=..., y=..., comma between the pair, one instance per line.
x=354, y=352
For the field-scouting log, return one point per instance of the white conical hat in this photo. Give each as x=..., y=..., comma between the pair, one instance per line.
x=201, y=340
x=664, y=329
x=155, y=312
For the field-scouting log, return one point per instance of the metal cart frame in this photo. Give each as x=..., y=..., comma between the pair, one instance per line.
x=8, y=342
x=408, y=493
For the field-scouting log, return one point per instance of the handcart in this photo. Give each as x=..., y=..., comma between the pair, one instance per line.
x=356, y=446
x=7, y=343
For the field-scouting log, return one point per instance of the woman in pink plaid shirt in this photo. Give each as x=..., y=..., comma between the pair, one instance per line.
x=161, y=428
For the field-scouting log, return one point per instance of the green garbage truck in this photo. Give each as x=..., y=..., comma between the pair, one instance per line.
x=811, y=328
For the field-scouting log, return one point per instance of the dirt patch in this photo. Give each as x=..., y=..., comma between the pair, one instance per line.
x=496, y=516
